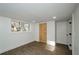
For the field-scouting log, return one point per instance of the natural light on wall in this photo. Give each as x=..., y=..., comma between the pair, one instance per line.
x=20, y=26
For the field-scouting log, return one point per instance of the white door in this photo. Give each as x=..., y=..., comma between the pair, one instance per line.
x=61, y=32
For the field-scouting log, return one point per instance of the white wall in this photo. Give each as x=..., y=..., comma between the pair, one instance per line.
x=75, y=31
x=10, y=40
x=37, y=32
x=61, y=31
x=50, y=31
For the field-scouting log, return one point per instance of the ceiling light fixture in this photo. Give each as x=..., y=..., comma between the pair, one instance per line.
x=54, y=17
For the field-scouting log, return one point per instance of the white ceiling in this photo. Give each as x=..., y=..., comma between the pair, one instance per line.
x=37, y=11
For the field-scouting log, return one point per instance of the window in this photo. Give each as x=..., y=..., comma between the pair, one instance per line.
x=20, y=27
x=27, y=27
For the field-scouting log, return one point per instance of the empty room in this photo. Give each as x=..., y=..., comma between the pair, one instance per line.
x=39, y=28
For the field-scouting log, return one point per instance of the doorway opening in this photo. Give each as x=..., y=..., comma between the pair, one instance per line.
x=43, y=32
x=64, y=33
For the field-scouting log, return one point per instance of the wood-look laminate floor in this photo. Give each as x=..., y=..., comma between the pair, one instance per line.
x=37, y=48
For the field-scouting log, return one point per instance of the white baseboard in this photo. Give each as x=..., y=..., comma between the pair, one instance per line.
x=7, y=49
